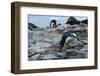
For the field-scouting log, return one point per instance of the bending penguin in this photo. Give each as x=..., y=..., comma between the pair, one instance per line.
x=68, y=36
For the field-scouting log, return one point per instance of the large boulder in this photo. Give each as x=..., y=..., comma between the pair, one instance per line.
x=31, y=26
x=85, y=21
x=72, y=20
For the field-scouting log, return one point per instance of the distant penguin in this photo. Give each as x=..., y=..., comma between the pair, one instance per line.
x=69, y=36
x=53, y=24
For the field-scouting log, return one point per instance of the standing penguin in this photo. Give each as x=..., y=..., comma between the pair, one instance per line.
x=68, y=36
x=53, y=24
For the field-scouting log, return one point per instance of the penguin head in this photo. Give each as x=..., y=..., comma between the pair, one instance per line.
x=74, y=34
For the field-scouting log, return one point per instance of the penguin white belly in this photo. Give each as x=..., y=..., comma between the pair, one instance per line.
x=70, y=39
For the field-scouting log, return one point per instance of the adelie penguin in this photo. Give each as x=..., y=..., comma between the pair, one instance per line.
x=68, y=36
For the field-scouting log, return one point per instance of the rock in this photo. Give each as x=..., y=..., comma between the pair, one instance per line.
x=40, y=50
x=72, y=21
x=34, y=57
x=31, y=52
x=84, y=49
x=70, y=54
x=50, y=57
x=62, y=55
x=76, y=44
x=30, y=35
x=75, y=55
x=79, y=28
x=85, y=41
x=65, y=30
x=81, y=55
x=52, y=30
x=31, y=26
x=48, y=40
x=60, y=29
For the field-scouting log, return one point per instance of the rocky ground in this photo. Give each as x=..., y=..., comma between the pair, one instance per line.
x=44, y=45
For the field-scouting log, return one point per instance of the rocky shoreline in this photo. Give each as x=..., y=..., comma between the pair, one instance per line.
x=44, y=44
